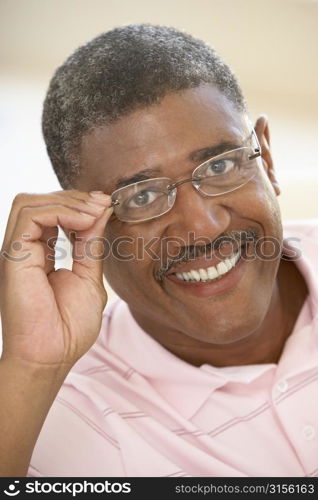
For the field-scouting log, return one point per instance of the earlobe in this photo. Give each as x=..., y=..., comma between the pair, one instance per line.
x=274, y=182
x=262, y=131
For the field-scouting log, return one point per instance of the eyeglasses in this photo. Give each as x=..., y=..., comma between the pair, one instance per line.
x=151, y=198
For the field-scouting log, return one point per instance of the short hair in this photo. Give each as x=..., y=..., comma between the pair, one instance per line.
x=117, y=72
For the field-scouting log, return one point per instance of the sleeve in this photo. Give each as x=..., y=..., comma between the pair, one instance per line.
x=33, y=472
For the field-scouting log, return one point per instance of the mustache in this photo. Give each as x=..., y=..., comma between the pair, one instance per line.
x=191, y=252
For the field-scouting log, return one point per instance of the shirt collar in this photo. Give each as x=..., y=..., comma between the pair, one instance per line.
x=184, y=386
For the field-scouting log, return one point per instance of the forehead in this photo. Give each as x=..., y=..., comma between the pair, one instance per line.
x=161, y=136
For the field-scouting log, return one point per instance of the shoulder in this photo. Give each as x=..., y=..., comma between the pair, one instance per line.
x=303, y=235
x=303, y=227
x=76, y=438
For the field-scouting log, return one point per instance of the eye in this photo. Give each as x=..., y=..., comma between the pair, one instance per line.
x=142, y=199
x=220, y=166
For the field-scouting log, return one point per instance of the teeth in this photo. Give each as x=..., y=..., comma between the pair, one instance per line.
x=212, y=272
x=203, y=274
x=228, y=264
x=236, y=257
x=222, y=269
x=195, y=275
x=233, y=260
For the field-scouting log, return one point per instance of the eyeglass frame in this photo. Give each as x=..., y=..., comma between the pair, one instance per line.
x=257, y=153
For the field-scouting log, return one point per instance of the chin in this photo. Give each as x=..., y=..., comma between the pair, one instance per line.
x=227, y=330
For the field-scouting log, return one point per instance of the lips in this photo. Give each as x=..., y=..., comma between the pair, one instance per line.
x=229, y=274
x=208, y=267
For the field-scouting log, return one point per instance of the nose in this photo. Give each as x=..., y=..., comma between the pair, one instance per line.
x=193, y=212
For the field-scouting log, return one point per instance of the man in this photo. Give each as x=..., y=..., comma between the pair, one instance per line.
x=207, y=364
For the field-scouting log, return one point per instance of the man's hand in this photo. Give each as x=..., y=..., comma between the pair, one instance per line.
x=49, y=317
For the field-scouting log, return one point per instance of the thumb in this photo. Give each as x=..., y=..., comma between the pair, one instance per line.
x=90, y=248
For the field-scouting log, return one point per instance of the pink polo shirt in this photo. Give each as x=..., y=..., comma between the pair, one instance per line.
x=131, y=408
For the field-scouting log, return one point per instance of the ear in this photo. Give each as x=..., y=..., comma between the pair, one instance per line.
x=262, y=132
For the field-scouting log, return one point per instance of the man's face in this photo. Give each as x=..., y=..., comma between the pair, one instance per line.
x=167, y=139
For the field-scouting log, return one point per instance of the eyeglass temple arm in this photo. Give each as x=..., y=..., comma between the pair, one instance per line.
x=258, y=149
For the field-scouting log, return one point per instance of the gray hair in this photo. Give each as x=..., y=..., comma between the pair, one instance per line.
x=118, y=72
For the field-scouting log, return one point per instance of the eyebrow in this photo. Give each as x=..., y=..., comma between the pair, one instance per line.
x=206, y=153
x=196, y=156
x=142, y=175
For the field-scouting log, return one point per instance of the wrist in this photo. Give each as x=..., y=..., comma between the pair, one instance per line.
x=27, y=372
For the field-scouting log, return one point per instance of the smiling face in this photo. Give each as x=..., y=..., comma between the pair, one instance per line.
x=171, y=139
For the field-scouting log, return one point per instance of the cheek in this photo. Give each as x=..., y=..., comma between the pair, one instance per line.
x=262, y=207
x=131, y=260
x=259, y=202
x=268, y=199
